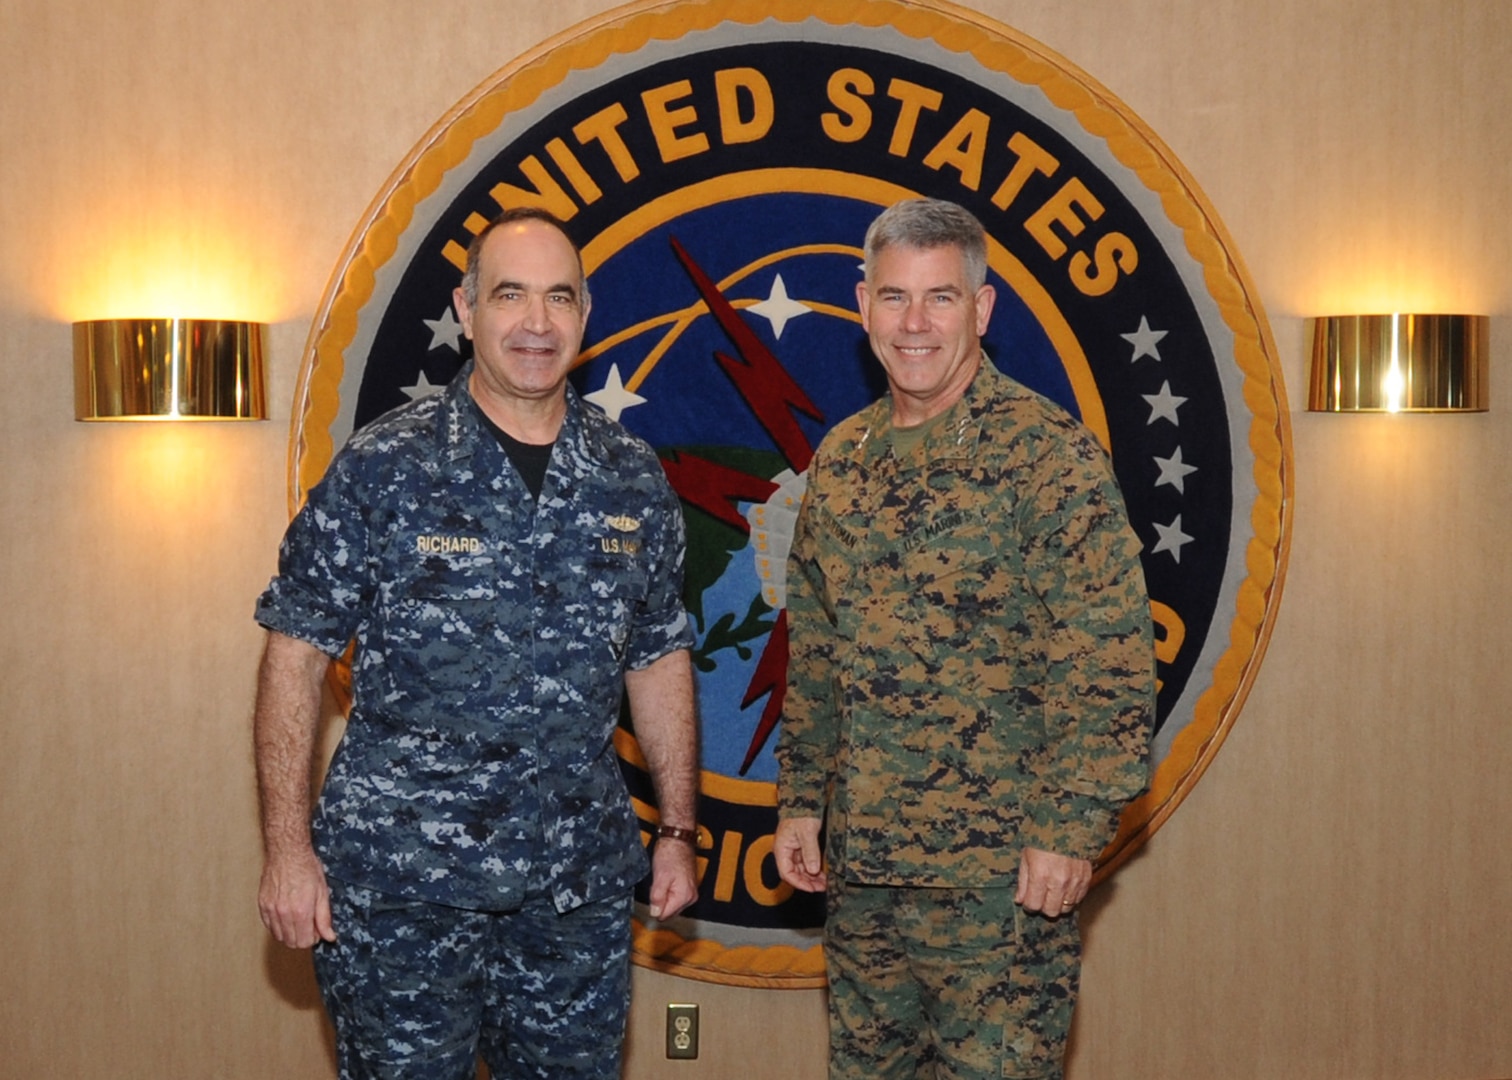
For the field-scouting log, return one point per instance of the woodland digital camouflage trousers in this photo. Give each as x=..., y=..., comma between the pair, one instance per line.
x=946, y=983
x=418, y=991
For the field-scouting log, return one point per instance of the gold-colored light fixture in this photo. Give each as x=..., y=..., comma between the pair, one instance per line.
x=168, y=369
x=1400, y=363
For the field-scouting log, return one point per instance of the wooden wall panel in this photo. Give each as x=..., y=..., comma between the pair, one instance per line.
x=1328, y=902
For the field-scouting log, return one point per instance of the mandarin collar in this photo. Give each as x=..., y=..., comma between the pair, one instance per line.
x=461, y=430
x=956, y=433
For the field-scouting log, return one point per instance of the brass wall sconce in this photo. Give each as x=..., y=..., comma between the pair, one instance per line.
x=1400, y=363
x=168, y=369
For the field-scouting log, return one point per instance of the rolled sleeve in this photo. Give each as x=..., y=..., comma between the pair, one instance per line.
x=661, y=624
x=322, y=588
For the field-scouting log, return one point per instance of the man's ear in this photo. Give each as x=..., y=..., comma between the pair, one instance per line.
x=464, y=313
x=986, y=297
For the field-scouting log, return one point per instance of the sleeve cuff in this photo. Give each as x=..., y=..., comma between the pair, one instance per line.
x=1069, y=826
x=794, y=800
x=280, y=611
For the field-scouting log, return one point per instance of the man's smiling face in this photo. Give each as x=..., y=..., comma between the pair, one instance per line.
x=925, y=325
x=527, y=323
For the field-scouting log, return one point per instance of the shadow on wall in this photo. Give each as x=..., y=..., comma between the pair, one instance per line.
x=1090, y=911
x=291, y=973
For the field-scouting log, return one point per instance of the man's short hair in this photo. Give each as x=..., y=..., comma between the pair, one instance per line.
x=930, y=223
x=509, y=217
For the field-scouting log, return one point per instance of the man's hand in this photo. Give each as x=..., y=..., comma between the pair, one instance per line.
x=796, y=848
x=674, y=877
x=1051, y=884
x=294, y=900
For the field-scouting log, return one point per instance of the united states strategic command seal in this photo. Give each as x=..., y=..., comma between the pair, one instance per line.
x=719, y=161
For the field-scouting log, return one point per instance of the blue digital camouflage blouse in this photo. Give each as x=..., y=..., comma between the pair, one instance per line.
x=492, y=634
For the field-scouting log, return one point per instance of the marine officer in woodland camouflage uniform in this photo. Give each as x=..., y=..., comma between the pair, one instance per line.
x=971, y=683
x=509, y=563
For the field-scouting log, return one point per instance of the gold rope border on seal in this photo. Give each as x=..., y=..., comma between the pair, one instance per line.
x=999, y=48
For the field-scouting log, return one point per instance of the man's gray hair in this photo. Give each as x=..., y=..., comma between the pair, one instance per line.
x=930, y=223
x=509, y=217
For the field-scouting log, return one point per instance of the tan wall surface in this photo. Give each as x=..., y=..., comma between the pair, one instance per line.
x=1330, y=902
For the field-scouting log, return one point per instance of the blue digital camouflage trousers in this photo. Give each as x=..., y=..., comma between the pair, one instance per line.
x=419, y=991
x=946, y=983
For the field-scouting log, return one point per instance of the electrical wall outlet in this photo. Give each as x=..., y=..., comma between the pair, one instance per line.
x=682, y=1031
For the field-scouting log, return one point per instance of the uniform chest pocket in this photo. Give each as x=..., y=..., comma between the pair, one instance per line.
x=960, y=571
x=617, y=588
x=438, y=635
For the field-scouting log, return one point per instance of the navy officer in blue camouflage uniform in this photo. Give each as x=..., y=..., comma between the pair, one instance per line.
x=509, y=564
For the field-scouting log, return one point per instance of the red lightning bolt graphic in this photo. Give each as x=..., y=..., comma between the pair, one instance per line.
x=772, y=395
x=764, y=383
x=771, y=675
x=715, y=488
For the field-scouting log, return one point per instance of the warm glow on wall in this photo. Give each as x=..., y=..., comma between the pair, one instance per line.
x=156, y=257
x=1387, y=252
x=1381, y=289
x=147, y=477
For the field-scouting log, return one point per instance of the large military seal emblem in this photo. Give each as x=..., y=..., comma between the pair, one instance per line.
x=718, y=161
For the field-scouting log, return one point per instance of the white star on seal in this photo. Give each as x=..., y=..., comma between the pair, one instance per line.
x=445, y=331
x=1144, y=340
x=1163, y=405
x=1173, y=471
x=614, y=398
x=777, y=309
x=1171, y=538
x=422, y=387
